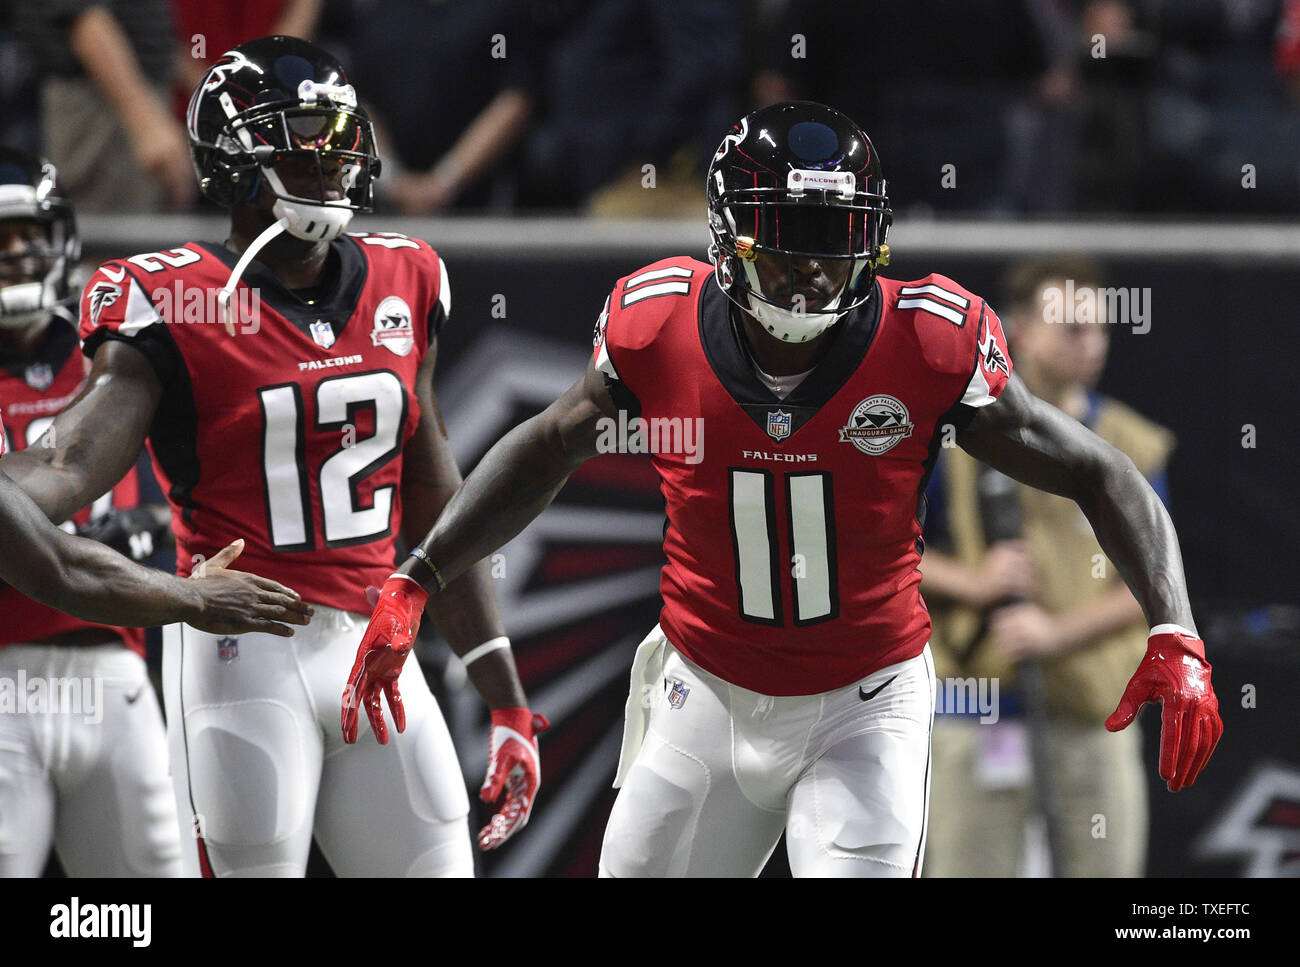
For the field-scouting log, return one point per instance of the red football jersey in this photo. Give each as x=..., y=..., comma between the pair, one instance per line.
x=794, y=525
x=33, y=390
x=289, y=433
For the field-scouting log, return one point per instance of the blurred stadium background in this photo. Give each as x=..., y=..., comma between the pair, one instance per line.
x=1160, y=137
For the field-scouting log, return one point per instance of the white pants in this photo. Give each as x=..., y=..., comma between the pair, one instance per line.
x=722, y=771
x=83, y=764
x=260, y=764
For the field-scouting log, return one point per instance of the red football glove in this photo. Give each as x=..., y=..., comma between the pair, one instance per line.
x=1175, y=673
x=383, y=650
x=513, y=765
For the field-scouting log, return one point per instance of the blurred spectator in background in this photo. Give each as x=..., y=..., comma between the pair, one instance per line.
x=106, y=123
x=1049, y=596
x=632, y=84
x=450, y=89
x=542, y=104
x=206, y=30
x=19, y=90
x=940, y=87
x=1224, y=136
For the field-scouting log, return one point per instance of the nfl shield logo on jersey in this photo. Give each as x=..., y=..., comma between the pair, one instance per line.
x=39, y=376
x=677, y=697
x=227, y=649
x=393, y=326
x=323, y=333
x=778, y=424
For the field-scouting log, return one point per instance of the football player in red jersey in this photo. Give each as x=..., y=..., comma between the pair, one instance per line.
x=284, y=382
x=91, y=779
x=789, y=684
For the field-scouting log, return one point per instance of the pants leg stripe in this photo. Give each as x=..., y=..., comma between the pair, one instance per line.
x=205, y=866
x=925, y=809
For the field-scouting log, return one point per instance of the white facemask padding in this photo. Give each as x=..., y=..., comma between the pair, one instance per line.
x=790, y=326
x=23, y=304
x=309, y=221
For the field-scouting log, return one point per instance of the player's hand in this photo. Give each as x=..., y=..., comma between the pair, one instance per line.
x=514, y=767
x=235, y=602
x=384, y=647
x=133, y=532
x=1175, y=673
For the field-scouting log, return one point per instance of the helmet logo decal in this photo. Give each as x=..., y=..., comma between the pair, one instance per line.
x=231, y=60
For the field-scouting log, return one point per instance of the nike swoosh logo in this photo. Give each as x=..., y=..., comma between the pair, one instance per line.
x=130, y=699
x=116, y=277
x=868, y=696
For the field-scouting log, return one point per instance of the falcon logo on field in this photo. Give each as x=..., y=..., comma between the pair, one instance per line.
x=877, y=424
x=103, y=295
x=677, y=697
x=778, y=424
x=393, y=327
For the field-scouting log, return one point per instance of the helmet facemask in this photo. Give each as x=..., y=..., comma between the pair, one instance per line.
x=802, y=260
x=319, y=164
x=316, y=156
x=49, y=254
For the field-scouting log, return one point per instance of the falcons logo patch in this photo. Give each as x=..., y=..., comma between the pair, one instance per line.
x=102, y=295
x=993, y=358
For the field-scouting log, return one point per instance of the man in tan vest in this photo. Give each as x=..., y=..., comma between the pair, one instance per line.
x=1048, y=595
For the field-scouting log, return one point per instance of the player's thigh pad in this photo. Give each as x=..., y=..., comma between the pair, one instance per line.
x=386, y=810
x=859, y=808
x=681, y=811
x=245, y=748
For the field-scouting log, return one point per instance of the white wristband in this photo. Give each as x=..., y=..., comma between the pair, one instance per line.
x=474, y=654
x=1170, y=630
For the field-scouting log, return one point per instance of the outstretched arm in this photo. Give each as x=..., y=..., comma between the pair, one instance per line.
x=89, y=581
x=1037, y=444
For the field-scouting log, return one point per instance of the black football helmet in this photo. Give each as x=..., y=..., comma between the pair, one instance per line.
x=796, y=181
x=36, y=279
x=275, y=99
